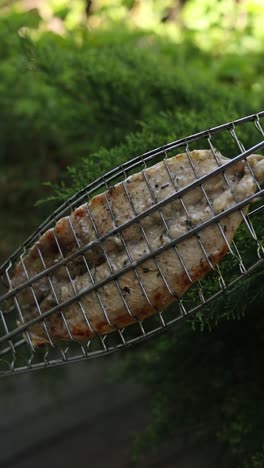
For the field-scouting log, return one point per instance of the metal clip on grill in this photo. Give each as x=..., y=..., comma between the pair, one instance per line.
x=18, y=350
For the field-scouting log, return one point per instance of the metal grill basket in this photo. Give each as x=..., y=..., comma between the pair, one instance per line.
x=17, y=352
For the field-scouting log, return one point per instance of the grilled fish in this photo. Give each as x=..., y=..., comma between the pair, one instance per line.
x=154, y=283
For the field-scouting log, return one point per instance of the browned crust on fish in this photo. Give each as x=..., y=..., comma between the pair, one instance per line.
x=161, y=299
x=75, y=231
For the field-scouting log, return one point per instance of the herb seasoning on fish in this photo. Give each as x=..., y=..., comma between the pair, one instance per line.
x=155, y=282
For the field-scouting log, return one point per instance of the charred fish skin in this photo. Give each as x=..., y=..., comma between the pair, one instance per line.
x=155, y=283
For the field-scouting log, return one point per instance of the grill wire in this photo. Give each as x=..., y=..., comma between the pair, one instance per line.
x=17, y=352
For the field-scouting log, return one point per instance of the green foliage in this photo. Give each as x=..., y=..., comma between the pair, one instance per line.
x=257, y=461
x=92, y=98
x=62, y=98
x=195, y=391
x=99, y=107
x=163, y=128
x=213, y=391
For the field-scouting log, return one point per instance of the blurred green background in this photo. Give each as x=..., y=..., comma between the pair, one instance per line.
x=86, y=85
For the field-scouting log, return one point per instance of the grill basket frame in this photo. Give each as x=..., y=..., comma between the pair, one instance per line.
x=17, y=353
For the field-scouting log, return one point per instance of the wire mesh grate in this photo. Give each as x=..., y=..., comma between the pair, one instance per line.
x=132, y=249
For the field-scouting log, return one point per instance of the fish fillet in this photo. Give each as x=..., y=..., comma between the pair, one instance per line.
x=156, y=282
